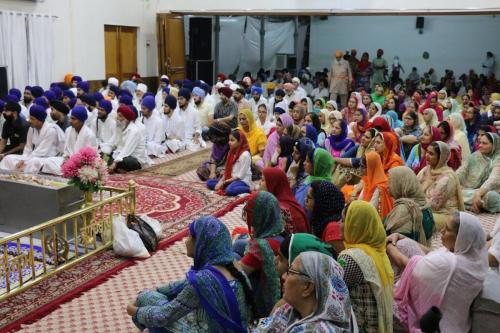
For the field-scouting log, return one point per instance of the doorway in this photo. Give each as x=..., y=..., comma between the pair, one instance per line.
x=171, y=46
x=121, y=51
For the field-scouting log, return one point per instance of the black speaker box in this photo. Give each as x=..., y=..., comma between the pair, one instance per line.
x=200, y=38
x=420, y=22
x=3, y=82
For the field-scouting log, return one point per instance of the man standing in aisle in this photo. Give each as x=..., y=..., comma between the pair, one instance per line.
x=340, y=78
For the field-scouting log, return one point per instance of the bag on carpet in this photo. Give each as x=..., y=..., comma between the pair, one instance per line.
x=144, y=230
x=126, y=242
x=154, y=224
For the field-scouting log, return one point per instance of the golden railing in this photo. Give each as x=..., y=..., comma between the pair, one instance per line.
x=64, y=241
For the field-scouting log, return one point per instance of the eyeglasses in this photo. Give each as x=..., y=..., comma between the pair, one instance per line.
x=293, y=271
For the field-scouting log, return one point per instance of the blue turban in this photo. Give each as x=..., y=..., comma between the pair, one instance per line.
x=114, y=89
x=125, y=99
x=79, y=112
x=84, y=85
x=205, y=87
x=38, y=112
x=41, y=101
x=197, y=83
x=88, y=99
x=50, y=95
x=125, y=92
x=199, y=92
x=57, y=91
x=149, y=102
x=76, y=78
x=12, y=98
x=166, y=90
x=37, y=91
x=134, y=110
x=171, y=101
x=98, y=96
x=106, y=105
x=185, y=92
x=279, y=110
x=17, y=92
x=148, y=94
x=2, y=104
x=165, y=80
x=68, y=93
x=72, y=102
x=256, y=89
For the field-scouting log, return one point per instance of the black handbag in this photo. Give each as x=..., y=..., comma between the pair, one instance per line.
x=144, y=230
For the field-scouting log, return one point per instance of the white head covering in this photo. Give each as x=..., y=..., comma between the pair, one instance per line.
x=164, y=77
x=233, y=86
x=227, y=83
x=333, y=103
x=142, y=87
x=296, y=80
x=113, y=81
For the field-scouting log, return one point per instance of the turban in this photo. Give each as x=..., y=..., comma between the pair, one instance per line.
x=60, y=106
x=205, y=87
x=197, y=83
x=79, y=112
x=135, y=111
x=37, y=91
x=164, y=77
x=76, y=78
x=50, y=95
x=185, y=92
x=171, y=101
x=57, y=91
x=219, y=85
x=125, y=92
x=256, y=89
x=125, y=99
x=38, y=112
x=13, y=106
x=114, y=89
x=88, y=99
x=228, y=82
x=67, y=78
x=98, y=96
x=142, y=87
x=178, y=82
x=41, y=101
x=15, y=91
x=149, y=102
x=270, y=86
x=106, y=105
x=338, y=54
x=235, y=87
x=199, y=92
x=11, y=98
x=280, y=93
x=296, y=80
x=166, y=90
x=127, y=112
x=221, y=76
x=84, y=85
x=279, y=110
x=289, y=86
x=68, y=93
x=113, y=81
x=72, y=102
x=165, y=80
x=226, y=91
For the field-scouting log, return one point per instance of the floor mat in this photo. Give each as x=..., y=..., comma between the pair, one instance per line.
x=179, y=165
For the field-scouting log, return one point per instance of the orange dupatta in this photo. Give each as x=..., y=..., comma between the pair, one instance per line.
x=391, y=158
x=377, y=179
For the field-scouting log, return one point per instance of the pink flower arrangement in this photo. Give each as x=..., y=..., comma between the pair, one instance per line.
x=85, y=169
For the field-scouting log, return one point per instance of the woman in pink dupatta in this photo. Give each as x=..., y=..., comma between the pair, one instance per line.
x=283, y=121
x=448, y=278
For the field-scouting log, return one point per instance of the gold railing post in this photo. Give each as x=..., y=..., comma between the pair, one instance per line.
x=131, y=189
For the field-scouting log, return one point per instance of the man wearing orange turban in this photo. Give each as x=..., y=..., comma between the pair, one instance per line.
x=340, y=78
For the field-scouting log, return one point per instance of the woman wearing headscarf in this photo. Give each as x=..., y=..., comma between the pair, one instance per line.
x=375, y=110
x=432, y=103
x=283, y=154
x=237, y=177
x=367, y=270
x=440, y=184
x=308, y=131
x=219, y=136
x=325, y=203
x=325, y=123
x=452, y=107
x=317, y=299
x=410, y=214
x=472, y=118
x=263, y=217
x=264, y=119
x=358, y=127
x=383, y=124
x=383, y=144
x=409, y=133
x=480, y=176
x=282, y=122
x=449, y=278
x=256, y=137
x=349, y=168
x=318, y=165
x=395, y=122
x=275, y=181
x=353, y=104
x=313, y=119
x=447, y=136
x=214, y=297
x=376, y=185
x=332, y=106
x=293, y=131
x=365, y=71
x=338, y=142
x=460, y=135
x=429, y=118
x=417, y=160
x=296, y=173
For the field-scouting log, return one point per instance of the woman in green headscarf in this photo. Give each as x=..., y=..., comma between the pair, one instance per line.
x=318, y=165
x=263, y=217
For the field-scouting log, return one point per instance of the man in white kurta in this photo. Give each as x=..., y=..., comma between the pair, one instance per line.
x=155, y=131
x=104, y=127
x=256, y=100
x=44, y=140
x=192, y=129
x=77, y=136
x=173, y=125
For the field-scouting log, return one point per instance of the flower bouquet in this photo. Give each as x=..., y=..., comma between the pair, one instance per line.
x=86, y=170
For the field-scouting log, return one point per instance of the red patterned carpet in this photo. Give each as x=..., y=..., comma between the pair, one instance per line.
x=175, y=204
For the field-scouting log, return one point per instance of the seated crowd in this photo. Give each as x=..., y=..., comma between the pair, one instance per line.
x=343, y=204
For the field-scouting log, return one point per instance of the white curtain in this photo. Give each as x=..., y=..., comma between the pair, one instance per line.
x=14, y=48
x=40, y=46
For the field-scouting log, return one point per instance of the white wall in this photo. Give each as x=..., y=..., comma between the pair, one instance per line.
x=453, y=42
x=79, y=32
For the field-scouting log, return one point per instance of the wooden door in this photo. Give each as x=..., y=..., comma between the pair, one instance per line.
x=120, y=51
x=171, y=48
